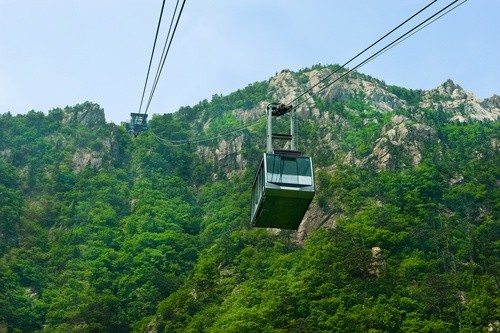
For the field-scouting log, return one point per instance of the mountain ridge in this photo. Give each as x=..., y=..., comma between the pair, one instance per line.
x=104, y=232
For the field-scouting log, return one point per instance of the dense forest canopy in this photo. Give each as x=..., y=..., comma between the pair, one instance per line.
x=103, y=232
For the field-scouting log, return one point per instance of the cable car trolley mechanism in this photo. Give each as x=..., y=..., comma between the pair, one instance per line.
x=283, y=187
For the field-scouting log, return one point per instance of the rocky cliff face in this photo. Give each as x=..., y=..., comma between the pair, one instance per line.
x=400, y=137
x=76, y=137
x=227, y=155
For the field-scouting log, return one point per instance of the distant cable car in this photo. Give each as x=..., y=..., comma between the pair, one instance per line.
x=138, y=123
x=283, y=187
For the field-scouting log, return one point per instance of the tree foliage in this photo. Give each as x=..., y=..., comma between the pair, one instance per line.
x=101, y=232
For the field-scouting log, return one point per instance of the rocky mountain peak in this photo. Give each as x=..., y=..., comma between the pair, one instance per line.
x=450, y=88
x=88, y=114
x=463, y=105
x=491, y=103
x=285, y=86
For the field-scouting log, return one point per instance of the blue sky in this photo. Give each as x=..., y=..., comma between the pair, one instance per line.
x=56, y=53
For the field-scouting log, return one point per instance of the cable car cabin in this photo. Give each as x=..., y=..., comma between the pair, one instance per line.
x=282, y=190
x=138, y=123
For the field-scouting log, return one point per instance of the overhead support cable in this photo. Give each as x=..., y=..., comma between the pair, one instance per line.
x=152, y=55
x=208, y=138
x=443, y=11
x=166, y=49
x=288, y=107
x=366, y=49
x=174, y=22
x=427, y=24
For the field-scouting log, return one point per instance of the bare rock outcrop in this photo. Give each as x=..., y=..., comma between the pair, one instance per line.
x=315, y=218
x=88, y=114
x=400, y=138
x=227, y=155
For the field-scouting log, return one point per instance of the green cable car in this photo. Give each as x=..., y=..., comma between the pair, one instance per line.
x=283, y=186
x=138, y=123
x=282, y=191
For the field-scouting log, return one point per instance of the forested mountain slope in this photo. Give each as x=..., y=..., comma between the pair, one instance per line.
x=103, y=232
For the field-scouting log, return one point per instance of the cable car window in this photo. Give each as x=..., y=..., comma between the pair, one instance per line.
x=304, y=170
x=289, y=170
